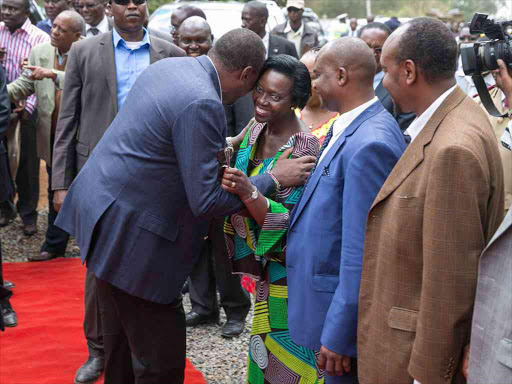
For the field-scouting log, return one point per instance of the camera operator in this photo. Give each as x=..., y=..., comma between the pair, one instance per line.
x=488, y=358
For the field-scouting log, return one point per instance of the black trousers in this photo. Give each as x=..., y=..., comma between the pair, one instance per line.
x=93, y=329
x=27, y=176
x=56, y=239
x=5, y=293
x=212, y=271
x=144, y=341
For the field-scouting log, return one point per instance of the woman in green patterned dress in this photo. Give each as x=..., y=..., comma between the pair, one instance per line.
x=256, y=238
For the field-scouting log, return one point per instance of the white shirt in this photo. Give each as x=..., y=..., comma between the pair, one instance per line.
x=102, y=27
x=419, y=123
x=353, y=33
x=377, y=79
x=294, y=37
x=266, y=43
x=343, y=122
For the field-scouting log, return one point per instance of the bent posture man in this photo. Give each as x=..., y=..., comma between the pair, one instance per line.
x=431, y=219
x=138, y=206
x=99, y=74
x=358, y=153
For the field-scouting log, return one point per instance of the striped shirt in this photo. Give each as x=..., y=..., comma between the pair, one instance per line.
x=17, y=47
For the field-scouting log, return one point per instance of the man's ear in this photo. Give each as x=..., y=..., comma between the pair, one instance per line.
x=342, y=76
x=410, y=71
x=246, y=74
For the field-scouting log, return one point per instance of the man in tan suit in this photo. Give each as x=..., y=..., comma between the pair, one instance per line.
x=431, y=220
x=99, y=74
x=47, y=63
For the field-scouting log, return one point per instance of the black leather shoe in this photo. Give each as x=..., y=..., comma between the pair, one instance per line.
x=44, y=256
x=192, y=319
x=9, y=316
x=233, y=328
x=90, y=371
x=9, y=284
x=30, y=229
x=7, y=217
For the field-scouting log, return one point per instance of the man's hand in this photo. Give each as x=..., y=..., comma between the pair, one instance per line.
x=39, y=73
x=504, y=81
x=20, y=106
x=334, y=364
x=293, y=172
x=465, y=362
x=58, y=198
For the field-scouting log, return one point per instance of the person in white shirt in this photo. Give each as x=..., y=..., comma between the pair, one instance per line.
x=353, y=30
x=93, y=12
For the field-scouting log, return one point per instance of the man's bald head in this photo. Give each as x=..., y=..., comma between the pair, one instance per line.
x=77, y=21
x=195, y=36
x=354, y=55
x=181, y=14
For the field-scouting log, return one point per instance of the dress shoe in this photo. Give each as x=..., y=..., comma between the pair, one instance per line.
x=90, y=371
x=9, y=316
x=233, y=328
x=30, y=229
x=44, y=256
x=9, y=284
x=7, y=217
x=192, y=319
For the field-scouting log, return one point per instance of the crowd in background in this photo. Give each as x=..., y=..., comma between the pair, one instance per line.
x=358, y=190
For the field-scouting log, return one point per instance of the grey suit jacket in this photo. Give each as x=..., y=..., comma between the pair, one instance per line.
x=281, y=46
x=309, y=37
x=89, y=102
x=491, y=333
x=152, y=180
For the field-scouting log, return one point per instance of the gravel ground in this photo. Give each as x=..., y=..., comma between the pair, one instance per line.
x=222, y=361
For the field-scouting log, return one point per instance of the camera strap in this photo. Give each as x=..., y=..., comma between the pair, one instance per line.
x=485, y=97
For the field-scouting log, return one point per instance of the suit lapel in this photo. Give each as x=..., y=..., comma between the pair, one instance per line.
x=505, y=225
x=107, y=58
x=155, y=51
x=380, y=91
x=315, y=178
x=414, y=153
x=273, y=48
x=48, y=61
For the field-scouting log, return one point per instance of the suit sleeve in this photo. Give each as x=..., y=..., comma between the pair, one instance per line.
x=5, y=105
x=22, y=87
x=455, y=231
x=64, y=156
x=199, y=132
x=365, y=174
x=291, y=50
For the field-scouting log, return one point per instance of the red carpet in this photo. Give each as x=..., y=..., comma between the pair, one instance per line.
x=48, y=344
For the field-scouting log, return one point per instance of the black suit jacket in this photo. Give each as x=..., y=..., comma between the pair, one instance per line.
x=6, y=189
x=403, y=119
x=279, y=46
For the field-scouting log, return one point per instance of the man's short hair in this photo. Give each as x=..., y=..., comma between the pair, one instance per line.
x=191, y=10
x=430, y=44
x=297, y=72
x=26, y=4
x=77, y=21
x=239, y=49
x=376, y=25
x=258, y=7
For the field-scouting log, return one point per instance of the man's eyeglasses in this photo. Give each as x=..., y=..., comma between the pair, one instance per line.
x=88, y=6
x=126, y=2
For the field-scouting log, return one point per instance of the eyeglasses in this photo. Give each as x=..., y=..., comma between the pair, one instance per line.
x=88, y=6
x=126, y=2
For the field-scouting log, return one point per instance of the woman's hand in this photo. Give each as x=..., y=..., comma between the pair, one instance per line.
x=237, y=182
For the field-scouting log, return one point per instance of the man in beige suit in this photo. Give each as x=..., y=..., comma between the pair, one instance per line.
x=99, y=74
x=431, y=220
x=47, y=63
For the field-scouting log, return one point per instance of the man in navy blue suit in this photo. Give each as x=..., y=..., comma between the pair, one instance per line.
x=324, y=256
x=138, y=205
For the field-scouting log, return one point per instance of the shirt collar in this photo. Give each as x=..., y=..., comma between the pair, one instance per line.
x=377, y=79
x=420, y=122
x=117, y=39
x=102, y=25
x=26, y=25
x=348, y=117
x=288, y=28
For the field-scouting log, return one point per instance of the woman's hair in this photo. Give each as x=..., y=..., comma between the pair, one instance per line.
x=295, y=71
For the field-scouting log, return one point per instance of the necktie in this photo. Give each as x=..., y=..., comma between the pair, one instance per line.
x=94, y=30
x=328, y=138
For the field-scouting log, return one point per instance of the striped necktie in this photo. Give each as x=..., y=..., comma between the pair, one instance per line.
x=94, y=30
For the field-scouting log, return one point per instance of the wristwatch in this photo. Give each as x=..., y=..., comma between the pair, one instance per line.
x=254, y=196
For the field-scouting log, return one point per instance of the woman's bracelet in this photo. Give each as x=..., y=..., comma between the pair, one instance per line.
x=278, y=184
x=229, y=141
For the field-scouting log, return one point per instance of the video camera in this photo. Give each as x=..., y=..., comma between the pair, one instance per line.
x=481, y=57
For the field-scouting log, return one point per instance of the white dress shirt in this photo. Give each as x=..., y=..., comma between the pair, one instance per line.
x=102, y=27
x=266, y=43
x=343, y=122
x=419, y=123
x=294, y=37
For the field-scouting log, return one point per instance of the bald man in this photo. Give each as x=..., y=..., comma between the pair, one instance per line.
x=180, y=15
x=195, y=36
x=324, y=256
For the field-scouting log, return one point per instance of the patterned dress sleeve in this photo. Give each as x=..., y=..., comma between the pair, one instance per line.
x=272, y=237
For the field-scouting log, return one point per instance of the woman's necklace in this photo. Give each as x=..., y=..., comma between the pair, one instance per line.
x=323, y=116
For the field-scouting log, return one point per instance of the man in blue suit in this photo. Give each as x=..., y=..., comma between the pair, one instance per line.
x=138, y=205
x=324, y=256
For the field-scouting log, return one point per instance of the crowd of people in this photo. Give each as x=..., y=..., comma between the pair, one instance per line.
x=358, y=190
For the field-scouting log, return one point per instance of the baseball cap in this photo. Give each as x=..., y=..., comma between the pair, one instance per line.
x=299, y=4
